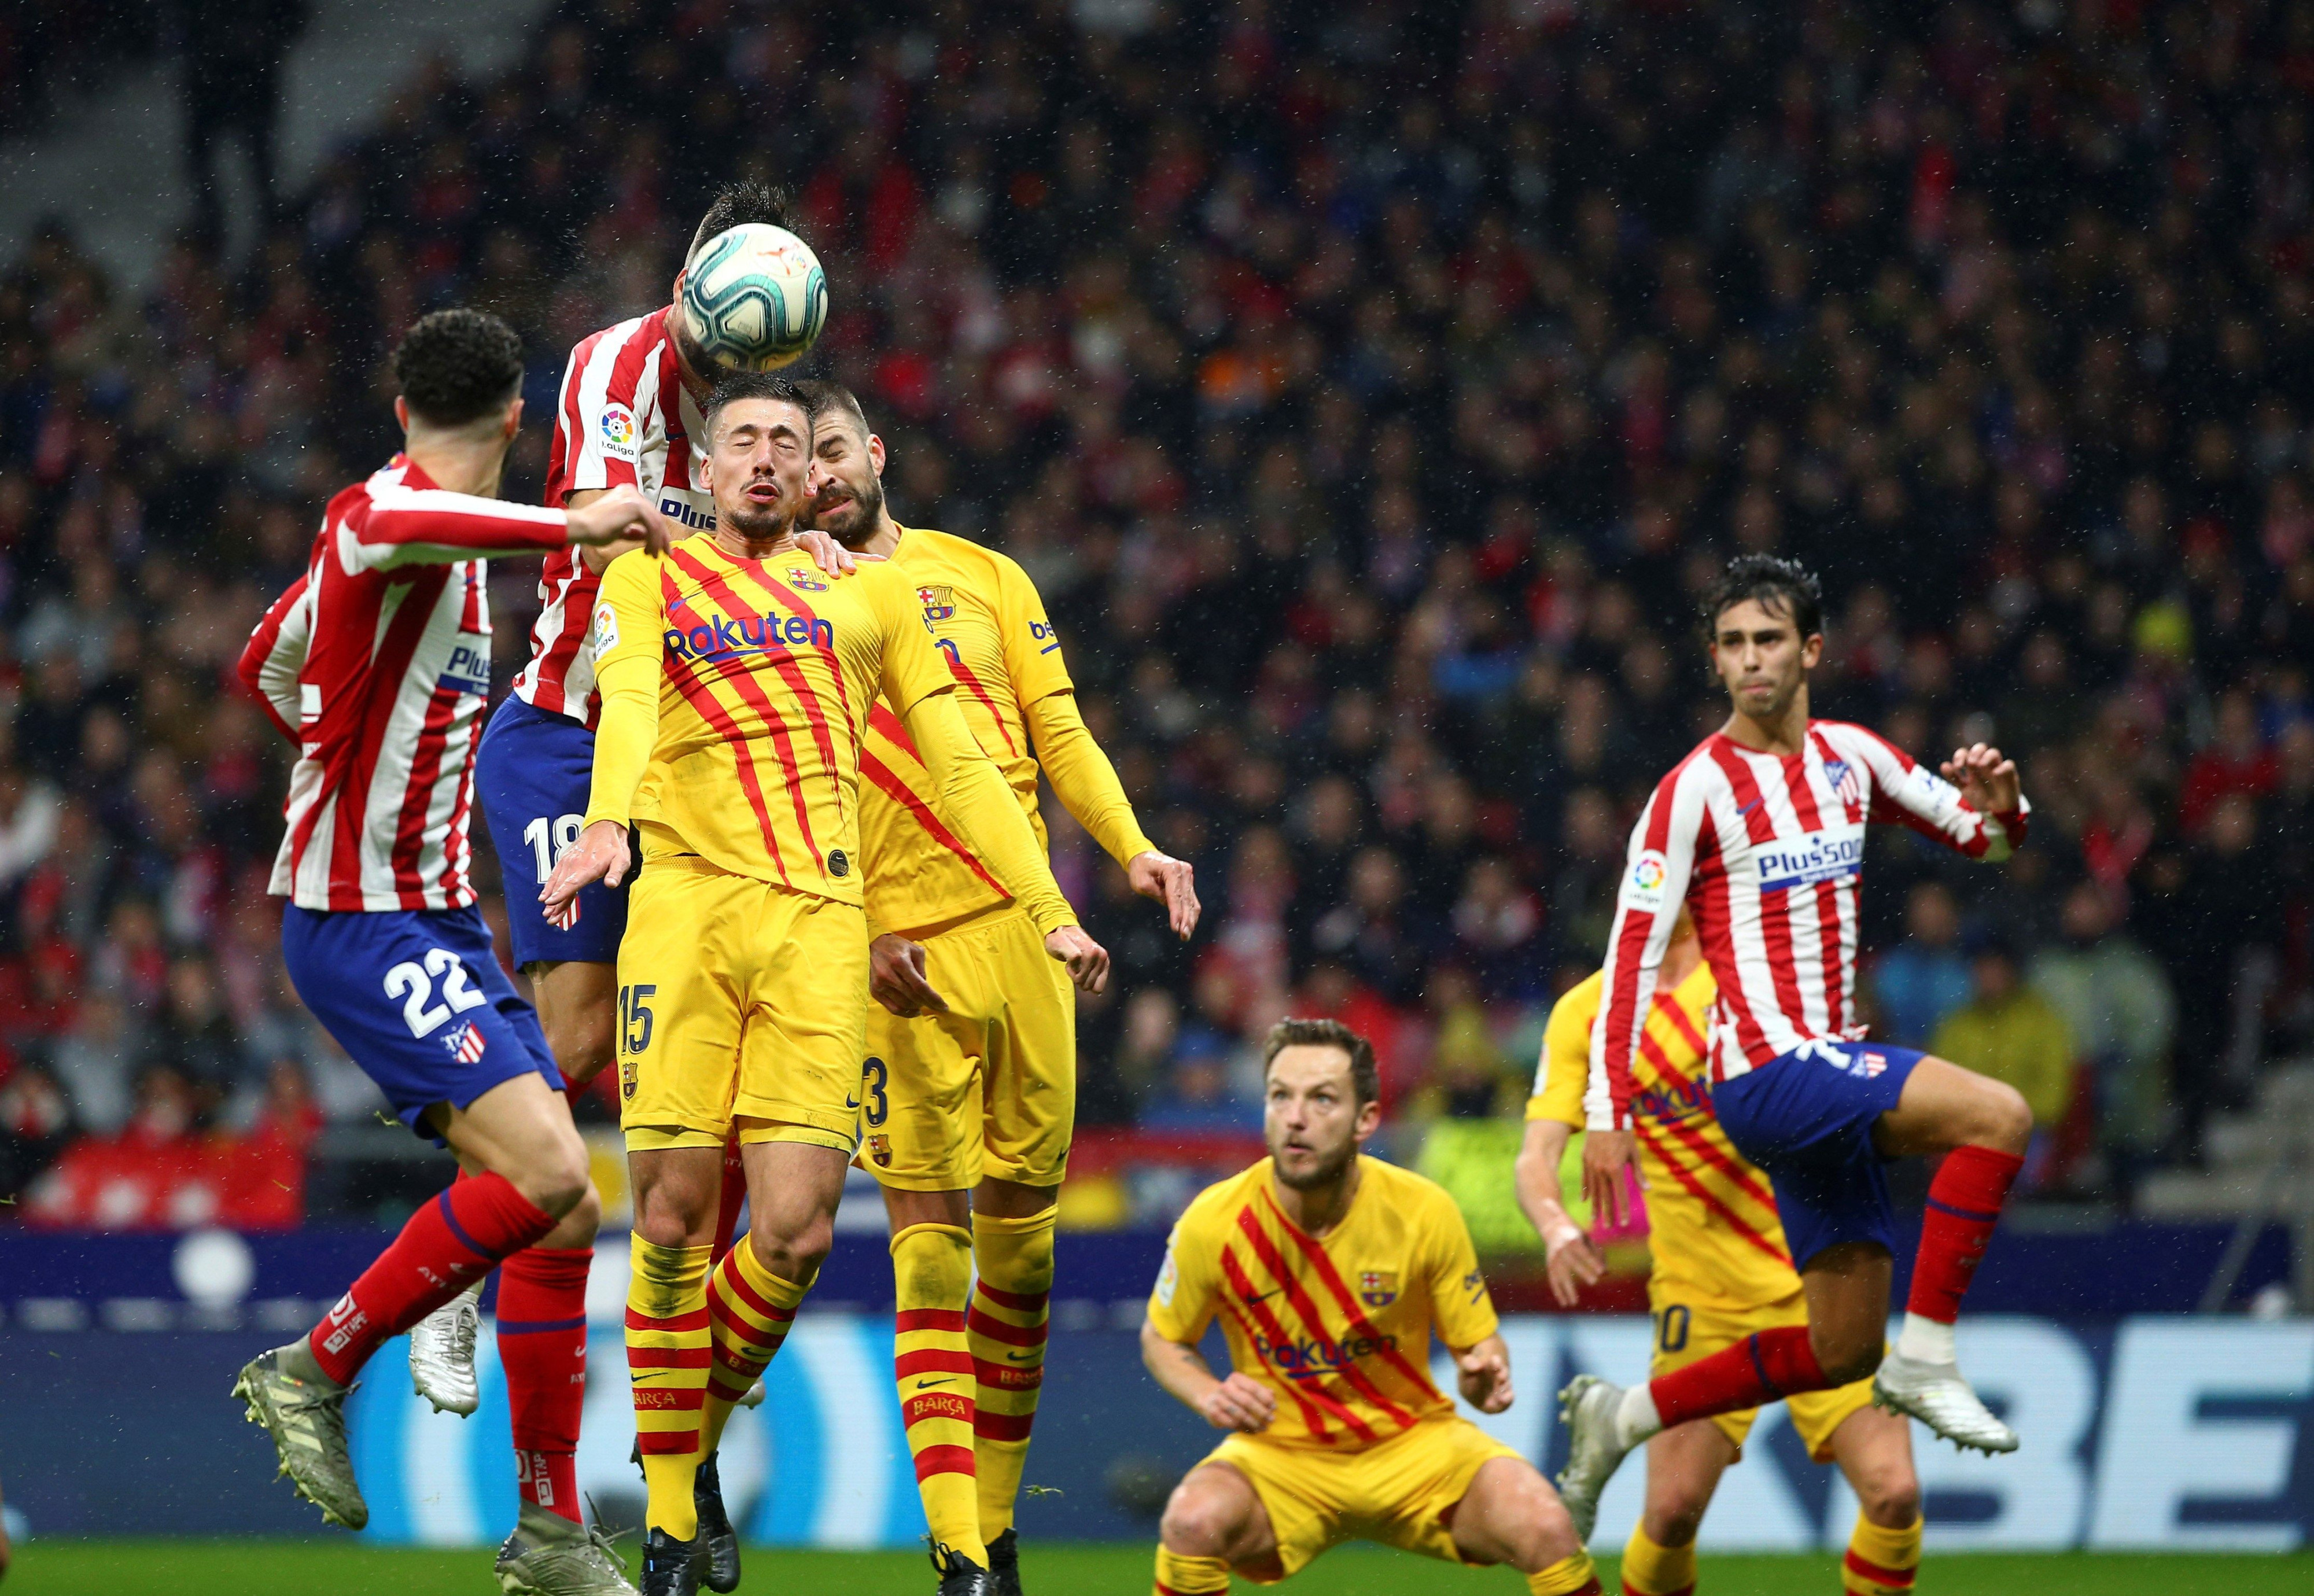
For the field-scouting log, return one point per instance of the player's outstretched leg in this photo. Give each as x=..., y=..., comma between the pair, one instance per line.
x=1006, y=1330
x=298, y=1391
x=1987, y=1126
x=1510, y=1515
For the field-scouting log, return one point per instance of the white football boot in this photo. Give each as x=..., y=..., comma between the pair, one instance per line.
x=1589, y=1407
x=1936, y=1395
x=442, y=1354
x=754, y=1397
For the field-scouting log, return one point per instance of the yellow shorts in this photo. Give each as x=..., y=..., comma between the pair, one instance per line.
x=1684, y=1333
x=1401, y=1493
x=737, y=1000
x=988, y=1088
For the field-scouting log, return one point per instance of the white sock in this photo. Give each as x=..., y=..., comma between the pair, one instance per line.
x=1636, y=1418
x=1925, y=1341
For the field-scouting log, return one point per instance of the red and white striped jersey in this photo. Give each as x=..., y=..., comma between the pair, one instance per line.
x=625, y=418
x=378, y=661
x=1767, y=850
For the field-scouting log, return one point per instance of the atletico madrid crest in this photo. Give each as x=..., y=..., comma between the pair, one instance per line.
x=1377, y=1288
x=939, y=603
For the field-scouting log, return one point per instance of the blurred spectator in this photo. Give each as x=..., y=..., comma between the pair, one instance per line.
x=1923, y=978
x=2121, y=1013
x=97, y=1063
x=234, y=57
x=35, y=1123
x=194, y=1037
x=2010, y=1032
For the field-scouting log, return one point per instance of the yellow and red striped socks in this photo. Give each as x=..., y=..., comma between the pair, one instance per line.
x=666, y=1359
x=1881, y=1562
x=932, y=1270
x=1569, y=1576
x=446, y=1246
x=749, y=1309
x=1178, y=1575
x=542, y=1344
x=1651, y=1569
x=1006, y=1333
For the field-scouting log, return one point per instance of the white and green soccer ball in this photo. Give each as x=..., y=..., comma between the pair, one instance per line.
x=754, y=298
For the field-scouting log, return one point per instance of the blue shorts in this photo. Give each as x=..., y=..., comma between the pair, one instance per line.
x=418, y=999
x=1806, y=1117
x=532, y=774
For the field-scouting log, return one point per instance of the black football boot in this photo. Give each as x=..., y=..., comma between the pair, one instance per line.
x=670, y=1567
x=960, y=1575
x=718, y=1543
x=1005, y=1565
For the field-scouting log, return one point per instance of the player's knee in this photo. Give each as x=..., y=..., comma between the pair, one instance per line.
x=1675, y=1520
x=2008, y=1118
x=1199, y=1522
x=558, y=1184
x=1549, y=1535
x=1890, y=1496
x=582, y=1042
x=578, y=1226
x=794, y=1254
x=1843, y=1356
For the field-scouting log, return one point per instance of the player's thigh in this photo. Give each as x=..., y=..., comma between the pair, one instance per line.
x=678, y=1007
x=521, y=1128
x=1028, y=1077
x=418, y=999
x=1847, y=1288
x=1943, y=1106
x=578, y=1002
x=1413, y=1491
x=919, y=1103
x=1217, y=1512
x=806, y=1020
x=531, y=778
x=1508, y=1513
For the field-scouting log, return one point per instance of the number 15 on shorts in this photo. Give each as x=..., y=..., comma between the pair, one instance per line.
x=634, y=1031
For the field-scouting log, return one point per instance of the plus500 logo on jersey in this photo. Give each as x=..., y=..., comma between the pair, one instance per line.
x=469, y=670
x=685, y=511
x=1835, y=854
x=726, y=638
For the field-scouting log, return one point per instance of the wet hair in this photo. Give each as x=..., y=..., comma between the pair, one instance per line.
x=1779, y=587
x=821, y=397
x=454, y=366
x=736, y=205
x=748, y=384
x=1365, y=1077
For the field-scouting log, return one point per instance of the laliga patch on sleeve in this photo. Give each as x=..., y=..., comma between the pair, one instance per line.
x=617, y=426
x=607, y=629
x=1643, y=888
x=1938, y=795
x=1169, y=1280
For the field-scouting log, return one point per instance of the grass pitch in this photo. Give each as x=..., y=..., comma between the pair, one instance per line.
x=305, y=1568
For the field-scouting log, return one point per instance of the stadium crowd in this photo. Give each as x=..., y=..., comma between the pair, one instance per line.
x=1369, y=388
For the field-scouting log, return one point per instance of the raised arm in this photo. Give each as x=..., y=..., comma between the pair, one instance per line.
x=275, y=655
x=1975, y=808
x=401, y=526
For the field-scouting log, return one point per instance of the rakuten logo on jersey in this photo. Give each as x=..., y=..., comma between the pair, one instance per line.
x=1833, y=854
x=726, y=638
x=1317, y=1353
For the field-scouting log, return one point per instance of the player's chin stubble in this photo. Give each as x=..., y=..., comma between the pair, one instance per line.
x=1326, y=1171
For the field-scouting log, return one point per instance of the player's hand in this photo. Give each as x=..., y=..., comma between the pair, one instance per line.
x=1606, y=1154
x=1170, y=882
x=895, y=978
x=1239, y=1402
x=1572, y=1262
x=600, y=854
x=1484, y=1374
x=830, y=556
x=621, y=514
x=1987, y=783
x=1088, y=960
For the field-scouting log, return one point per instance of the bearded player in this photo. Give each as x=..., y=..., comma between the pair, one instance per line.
x=738, y=684
x=969, y=1092
x=1721, y=1270
x=377, y=663
x=1330, y=1272
x=1760, y=833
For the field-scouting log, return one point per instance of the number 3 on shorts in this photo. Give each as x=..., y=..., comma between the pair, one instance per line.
x=635, y=1017
x=872, y=1076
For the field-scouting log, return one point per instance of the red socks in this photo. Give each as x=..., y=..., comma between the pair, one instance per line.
x=734, y=1192
x=1964, y=1202
x=1758, y=1369
x=447, y=1245
x=542, y=1343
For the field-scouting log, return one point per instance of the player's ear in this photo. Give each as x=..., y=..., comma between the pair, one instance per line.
x=876, y=456
x=1812, y=649
x=1369, y=1120
x=402, y=413
x=513, y=423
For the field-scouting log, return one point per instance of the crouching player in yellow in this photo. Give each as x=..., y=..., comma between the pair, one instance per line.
x=1721, y=1273
x=967, y=1091
x=1329, y=1271
x=737, y=684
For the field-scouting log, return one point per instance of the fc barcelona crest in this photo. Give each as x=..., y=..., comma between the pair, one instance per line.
x=1377, y=1288
x=879, y=1148
x=806, y=580
x=939, y=603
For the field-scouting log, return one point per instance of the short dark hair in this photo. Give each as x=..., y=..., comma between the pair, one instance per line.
x=822, y=397
x=737, y=205
x=1366, y=1076
x=1779, y=587
x=749, y=385
x=454, y=366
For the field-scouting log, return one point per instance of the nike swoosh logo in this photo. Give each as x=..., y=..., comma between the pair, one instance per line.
x=1747, y=808
x=1264, y=1297
x=851, y=1102
x=1019, y=1357
x=926, y=1385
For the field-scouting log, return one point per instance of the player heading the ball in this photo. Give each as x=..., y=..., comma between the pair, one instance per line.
x=1759, y=833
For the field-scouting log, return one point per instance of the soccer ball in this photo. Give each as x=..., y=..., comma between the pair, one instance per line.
x=754, y=297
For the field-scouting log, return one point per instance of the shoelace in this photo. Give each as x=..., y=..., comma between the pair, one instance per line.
x=462, y=1331
x=608, y=1545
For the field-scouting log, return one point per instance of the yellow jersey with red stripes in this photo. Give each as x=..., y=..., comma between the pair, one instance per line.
x=1711, y=1216
x=760, y=658
x=1338, y=1328
x=990, y=627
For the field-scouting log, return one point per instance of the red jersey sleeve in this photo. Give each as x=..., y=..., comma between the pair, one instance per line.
x=275, y=657
x=1907, y=793
x=398, y=527
x=1656, y=871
